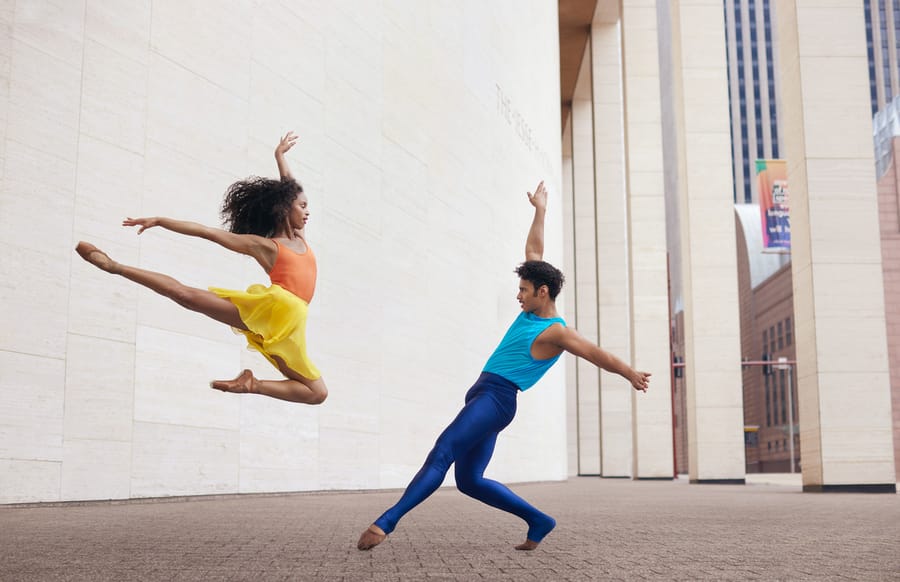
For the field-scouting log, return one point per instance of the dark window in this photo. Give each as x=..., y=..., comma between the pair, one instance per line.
x=772, y=339
x=788, y=332
x=870, y=49
x=730, y=114
x=780, y=336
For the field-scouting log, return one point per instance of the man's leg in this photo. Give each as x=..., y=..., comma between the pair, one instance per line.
x=471, y=481
x=480, y=417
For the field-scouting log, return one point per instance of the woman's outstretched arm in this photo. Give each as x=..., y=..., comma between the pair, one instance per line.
x=286, y=143
x=258, y=247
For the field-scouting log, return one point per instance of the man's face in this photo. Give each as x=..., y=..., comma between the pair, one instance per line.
x=528, y=298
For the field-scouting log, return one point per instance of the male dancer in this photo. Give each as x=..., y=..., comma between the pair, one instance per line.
x=531, y=345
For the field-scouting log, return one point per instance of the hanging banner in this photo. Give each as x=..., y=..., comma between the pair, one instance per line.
x=774, y=204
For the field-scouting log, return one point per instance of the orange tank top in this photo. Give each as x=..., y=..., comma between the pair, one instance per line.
x=295, y=272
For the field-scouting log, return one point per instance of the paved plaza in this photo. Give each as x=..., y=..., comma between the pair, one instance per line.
x=608, y=529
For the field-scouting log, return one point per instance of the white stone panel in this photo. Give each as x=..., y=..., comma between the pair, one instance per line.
x=172, y=375
x=26, y=481
x=114, y=101
x=121, y=25
x=278, y=446
x=194, y=116
x=99, y=389
x=213, y=51
x=55, y=27
x=170, y=459
x=42, y=114
x=31, y=407
x=96, y=469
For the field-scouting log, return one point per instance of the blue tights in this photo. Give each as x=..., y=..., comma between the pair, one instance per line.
x=469, y=442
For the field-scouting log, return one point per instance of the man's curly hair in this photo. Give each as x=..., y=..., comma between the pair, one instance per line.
x=259, y=205
x=542, y=273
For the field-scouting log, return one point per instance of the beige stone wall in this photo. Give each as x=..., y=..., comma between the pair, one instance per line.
x=889, y=219
x=421, y=129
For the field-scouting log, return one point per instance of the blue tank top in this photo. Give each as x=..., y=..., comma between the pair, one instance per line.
x=512, y=358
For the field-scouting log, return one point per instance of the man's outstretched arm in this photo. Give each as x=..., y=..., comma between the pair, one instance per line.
x=578, y=345
x=534, y=245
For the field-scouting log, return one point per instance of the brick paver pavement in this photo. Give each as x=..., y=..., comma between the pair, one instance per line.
x=607, y=530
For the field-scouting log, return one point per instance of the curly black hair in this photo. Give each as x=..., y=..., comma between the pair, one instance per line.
x=259, y=205
x=541, y=273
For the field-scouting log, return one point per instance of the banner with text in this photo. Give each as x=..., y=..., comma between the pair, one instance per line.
x=774, y=204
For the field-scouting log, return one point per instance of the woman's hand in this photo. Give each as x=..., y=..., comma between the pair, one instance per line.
x=144, y=223
x=286, y=143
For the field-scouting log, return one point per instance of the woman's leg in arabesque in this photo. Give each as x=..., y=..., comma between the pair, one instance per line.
x=295, y=388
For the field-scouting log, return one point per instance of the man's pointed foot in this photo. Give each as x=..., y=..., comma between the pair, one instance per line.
x=98, y=258
x=245, y=383
x=371, y=538
x=528, y=545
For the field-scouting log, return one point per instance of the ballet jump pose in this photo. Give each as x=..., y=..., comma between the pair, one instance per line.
x=266, y=220
x=533, y=343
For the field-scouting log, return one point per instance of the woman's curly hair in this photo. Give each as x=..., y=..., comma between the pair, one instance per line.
x=259, y=205
x=542, y=273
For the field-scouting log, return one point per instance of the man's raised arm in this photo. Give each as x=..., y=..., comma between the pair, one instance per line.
x=534, y=245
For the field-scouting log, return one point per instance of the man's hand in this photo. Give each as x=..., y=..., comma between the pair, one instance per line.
x=640, y=380
x=539, y=198
x=144, y=223
x=286, y=143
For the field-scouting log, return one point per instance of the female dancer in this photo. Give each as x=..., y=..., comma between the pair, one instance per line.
x=266, y=220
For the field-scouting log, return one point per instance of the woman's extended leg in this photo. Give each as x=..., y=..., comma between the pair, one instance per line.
x=469, y=472
x=295, y=389
x=199, y=300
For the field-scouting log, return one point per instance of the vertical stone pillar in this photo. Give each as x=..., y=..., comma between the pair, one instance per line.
x=709, y=271
x=611, y=237
x=842, y=365
x=585, y=274
x=568, y=202
x=646, y=212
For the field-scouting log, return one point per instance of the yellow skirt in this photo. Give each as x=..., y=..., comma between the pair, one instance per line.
x=276, y=320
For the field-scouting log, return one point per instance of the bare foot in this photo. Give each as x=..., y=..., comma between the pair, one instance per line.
x=98, y=258
x=371, y=538
x=528, y=545
x=245, y=383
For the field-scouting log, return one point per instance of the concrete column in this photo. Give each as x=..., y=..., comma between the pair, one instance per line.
x=585, y=273
x=709, y=271
x=611, y=237
x=570, y=314
x=842, y=364
x=646, y=210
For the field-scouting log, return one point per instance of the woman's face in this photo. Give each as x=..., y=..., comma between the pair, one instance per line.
x=299, y=211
